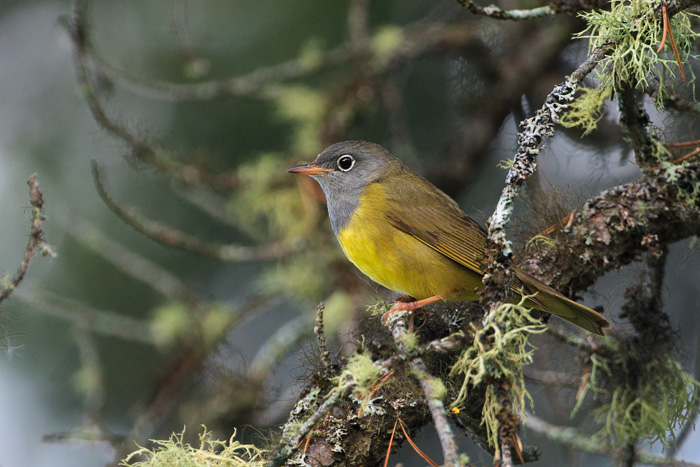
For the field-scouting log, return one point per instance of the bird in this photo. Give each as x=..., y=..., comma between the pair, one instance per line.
x=407, y=235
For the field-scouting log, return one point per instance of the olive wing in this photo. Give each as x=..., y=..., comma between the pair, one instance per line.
x=429, y=215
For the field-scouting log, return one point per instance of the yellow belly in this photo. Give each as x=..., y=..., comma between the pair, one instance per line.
x=398, y=261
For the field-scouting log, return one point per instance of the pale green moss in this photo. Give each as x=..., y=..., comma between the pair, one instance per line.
x=499, y=351
x=209, y=453
x=271, y=202
x=587, y=109
x=379, y=308
x=387, y=40
x=635, y=30
x=505, y=163
x=311, y=55
x=540, y=240
x=301, y=277
x=410, y=341
x=170, y=323
x=303, y=106
x=439, y=388
x=358, y=376
x=663, y=401
x=216, y=322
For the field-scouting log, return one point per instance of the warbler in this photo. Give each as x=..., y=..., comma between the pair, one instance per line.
x=407, y=235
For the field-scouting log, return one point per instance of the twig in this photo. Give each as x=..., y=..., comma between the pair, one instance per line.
x=321, y=335
x=173, y=238
x=36, y=239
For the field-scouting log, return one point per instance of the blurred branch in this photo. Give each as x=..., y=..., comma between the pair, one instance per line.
x=107, y=323
x=582, y=441
x=197, y=66
x=187, y=363
x=131, y=263
x=419, y=39
x=495, y=12
x=141, y=149
x=91, y=374
x=358, y=24
x=172, y=238
x=286, y=338
x=36, y=239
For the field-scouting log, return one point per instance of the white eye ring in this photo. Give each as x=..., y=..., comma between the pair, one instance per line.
x=343, y=162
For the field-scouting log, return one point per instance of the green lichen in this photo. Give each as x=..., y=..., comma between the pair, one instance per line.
x=305, y=108
x=635, y=29
x=540, y=240
x=410, y=341
x=505, y=163
x=499, y=351
x=301, y=277
x=439, y=389
x=217, y=322
x=358, y=376
x=387, y=40
x=171, y=322
x=271, y=204
x=587, y=109
x=210, y=453
x=664, y=399
x=379, y=308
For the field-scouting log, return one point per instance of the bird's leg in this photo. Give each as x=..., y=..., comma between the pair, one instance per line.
x=402, y=303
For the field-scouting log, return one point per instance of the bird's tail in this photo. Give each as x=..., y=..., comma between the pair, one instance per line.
x=557, y=304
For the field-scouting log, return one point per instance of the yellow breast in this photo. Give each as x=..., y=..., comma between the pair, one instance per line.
x=397, y=260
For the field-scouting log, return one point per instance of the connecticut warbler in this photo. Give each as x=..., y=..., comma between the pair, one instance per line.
x=407, y=235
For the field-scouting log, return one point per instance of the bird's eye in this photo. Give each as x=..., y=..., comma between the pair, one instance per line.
x=345, y=163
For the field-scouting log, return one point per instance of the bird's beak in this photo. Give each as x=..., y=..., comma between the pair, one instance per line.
x=309, y=169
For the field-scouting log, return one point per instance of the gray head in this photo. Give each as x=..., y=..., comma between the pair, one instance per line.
x=343, y=170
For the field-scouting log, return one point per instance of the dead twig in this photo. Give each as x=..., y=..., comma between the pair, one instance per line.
x=36, y=239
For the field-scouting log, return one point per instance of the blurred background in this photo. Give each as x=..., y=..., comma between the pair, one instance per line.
x=208, y=321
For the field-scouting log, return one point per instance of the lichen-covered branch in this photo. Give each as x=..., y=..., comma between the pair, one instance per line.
x=622, y=223
x=553, y=8
x=495, y=12
x=434, y=391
